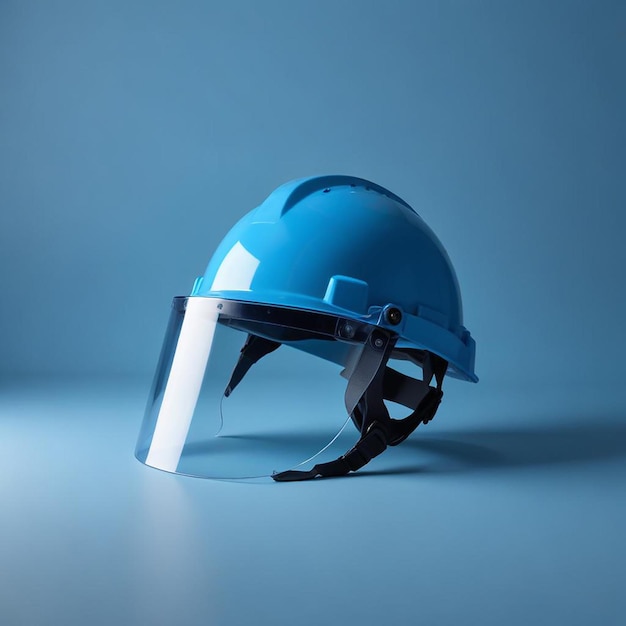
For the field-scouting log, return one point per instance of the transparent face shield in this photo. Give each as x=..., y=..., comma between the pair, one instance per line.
x=203, y=419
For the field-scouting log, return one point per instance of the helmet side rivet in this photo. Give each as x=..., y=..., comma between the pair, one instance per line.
x=393, y=315
x=347, y=331
x=379, y=342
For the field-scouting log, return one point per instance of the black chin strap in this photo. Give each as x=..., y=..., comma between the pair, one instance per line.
x=369, y=384
x=369, y=413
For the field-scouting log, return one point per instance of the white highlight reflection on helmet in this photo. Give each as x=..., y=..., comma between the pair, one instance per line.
x=236, y=271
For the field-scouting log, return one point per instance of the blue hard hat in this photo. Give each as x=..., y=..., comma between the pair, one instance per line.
x=347, y=246
x=324, y=264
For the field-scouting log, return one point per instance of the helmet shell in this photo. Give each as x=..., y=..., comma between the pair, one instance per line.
x=347, y=246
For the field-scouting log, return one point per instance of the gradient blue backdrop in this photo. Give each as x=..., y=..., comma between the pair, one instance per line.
x=134, y=134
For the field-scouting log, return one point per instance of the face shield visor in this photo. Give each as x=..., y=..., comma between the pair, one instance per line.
x=203, y=419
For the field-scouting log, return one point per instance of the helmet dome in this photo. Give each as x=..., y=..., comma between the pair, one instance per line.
x=345, y=245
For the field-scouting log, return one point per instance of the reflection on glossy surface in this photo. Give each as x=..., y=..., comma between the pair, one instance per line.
x=181, y=392
x=236, y=270
x=184, y=430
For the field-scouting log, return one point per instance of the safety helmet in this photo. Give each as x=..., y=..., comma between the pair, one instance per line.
x=333, y=266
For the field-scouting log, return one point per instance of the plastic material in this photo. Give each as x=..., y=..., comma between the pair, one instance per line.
x=200, y=363
x=346, y=246
x=336, y=267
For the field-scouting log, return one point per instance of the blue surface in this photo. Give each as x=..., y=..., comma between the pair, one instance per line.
x=128, y=129
x=505, y=511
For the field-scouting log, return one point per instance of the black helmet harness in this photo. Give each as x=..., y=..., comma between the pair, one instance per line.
x=370, y=382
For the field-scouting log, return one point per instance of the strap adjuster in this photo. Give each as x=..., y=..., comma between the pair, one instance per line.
x=373, y=443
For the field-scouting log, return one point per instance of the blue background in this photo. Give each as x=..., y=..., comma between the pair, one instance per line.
x=133, y=135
